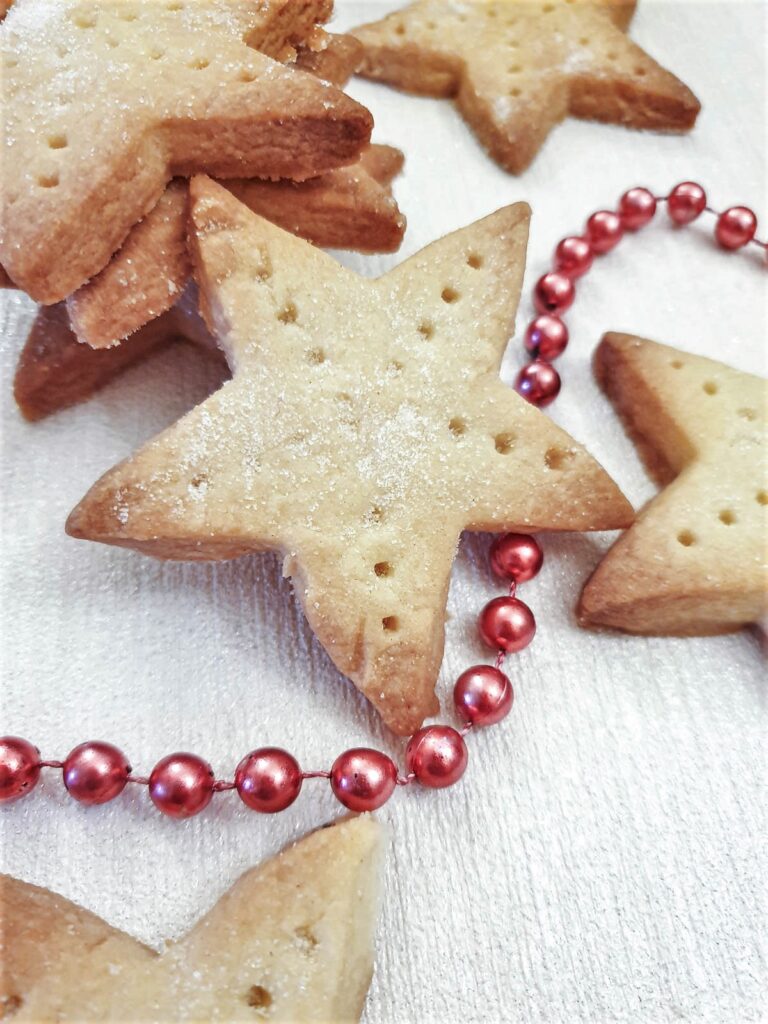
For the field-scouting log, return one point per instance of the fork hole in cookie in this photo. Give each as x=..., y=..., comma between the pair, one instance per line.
x=375, y=515
x=316, y=356
x=258, y=997
x=427, y=330
x=515, y=92
x=762, y=497
x=641, y=72
x=457, y=426
x=383, y=569
x=199, y=64
x=57, y=141
x=390, y=623
x=584, y=41
x=400, y=29
x=556, y=458
x=474, y=260
x=727, y=517
x=504, y=442
x=515, y=69
x=709, y=387
x=128, y=16
x=48, y=180
x=246, y=75
x=747, y=414
x=156, y=54
x=686, y=538
x=289, y=314
x=449, y=295
x=676, y=364
x=83, y=20
x=395, y=367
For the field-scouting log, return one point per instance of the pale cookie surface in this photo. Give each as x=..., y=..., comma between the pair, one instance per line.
x=348, y=208
x=516, y=68
x=695, y=561
x=106, y=100
x=291, y=941
x=364, y=429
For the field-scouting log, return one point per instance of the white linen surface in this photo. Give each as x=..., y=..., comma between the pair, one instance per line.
x=601, y=859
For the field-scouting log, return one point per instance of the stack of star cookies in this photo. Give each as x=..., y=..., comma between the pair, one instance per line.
x=109, y=107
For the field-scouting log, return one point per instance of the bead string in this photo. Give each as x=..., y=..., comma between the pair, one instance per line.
x=269, y=779
x=546, y=336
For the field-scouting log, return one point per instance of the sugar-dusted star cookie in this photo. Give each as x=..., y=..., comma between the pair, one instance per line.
x=348, y=208
x=105, y=100
x=695, y=562
x=517, y=67
x=364, y=429
x=291, y=941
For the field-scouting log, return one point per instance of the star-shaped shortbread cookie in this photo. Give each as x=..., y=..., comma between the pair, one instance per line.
x=292, y=941
x=695, y=561
x=518, y=67
x=365, y=427
x=105, y=100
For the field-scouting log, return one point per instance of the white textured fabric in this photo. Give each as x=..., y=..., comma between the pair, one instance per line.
x=601, y=859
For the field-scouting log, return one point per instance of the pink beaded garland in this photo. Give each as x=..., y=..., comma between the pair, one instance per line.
x=735, y=227
x=268, y=780
x=554, y=293
x=546, y=337
x=573, y=256
x=181, y=785
x=483, y=695
x=516, y=556
x=604, y=231
x=507, y=624
x=19, y=768
x=437, y=756
x=363, y=779
x=95, y=772
x=686, y=202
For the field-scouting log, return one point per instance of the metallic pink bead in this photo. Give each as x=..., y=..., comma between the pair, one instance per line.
x=507, y=624
x=516, y=556
x=685, y=202
x=573, y=256
x=95, y=772
x=363, y=779
x=604, y=231
x=19, y=768
x=735, y=227
x=437, y=756
x=268, y=780
x=636, y=208
x=546, y=337
x=181, y=785
x=483, y=695
x=538, y=383
x=554, y=293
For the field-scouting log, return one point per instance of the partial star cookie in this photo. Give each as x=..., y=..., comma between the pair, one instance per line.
x=291, y=941
x=365, y=427
x=695, y=561
x=516, y=68
x=105, y=100
x=349, y=208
